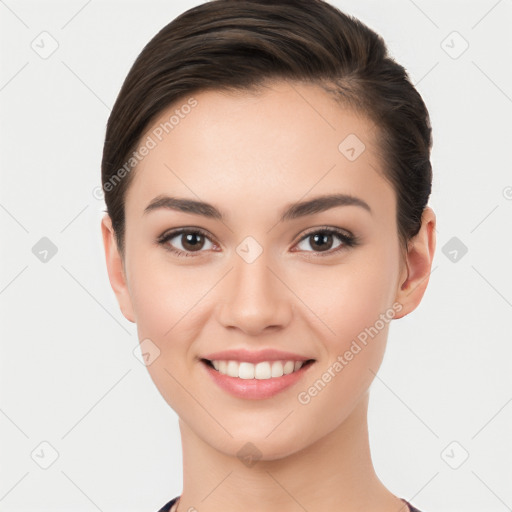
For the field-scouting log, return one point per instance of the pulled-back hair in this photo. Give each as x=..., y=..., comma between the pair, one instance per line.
x=239, y=45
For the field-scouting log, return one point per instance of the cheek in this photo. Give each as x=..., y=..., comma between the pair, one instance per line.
x=166, y=301
x=358, y=312
x=163, y=293
x=349, y=298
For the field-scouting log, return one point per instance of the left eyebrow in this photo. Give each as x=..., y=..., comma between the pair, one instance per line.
x=293, y=211
x=321, y=204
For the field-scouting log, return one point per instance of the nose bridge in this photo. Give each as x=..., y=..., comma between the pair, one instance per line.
x=254, y=298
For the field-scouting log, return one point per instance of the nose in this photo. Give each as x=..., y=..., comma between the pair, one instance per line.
x=254, y=298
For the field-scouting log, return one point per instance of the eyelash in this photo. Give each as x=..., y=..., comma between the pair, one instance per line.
x=346, y=239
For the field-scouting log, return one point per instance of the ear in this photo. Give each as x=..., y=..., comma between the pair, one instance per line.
x=115, y=269
x=418, y=263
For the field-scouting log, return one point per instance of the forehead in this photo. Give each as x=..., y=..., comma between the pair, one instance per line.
x=275, y=144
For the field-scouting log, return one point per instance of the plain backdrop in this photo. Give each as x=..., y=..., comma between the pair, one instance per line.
x=82, y=426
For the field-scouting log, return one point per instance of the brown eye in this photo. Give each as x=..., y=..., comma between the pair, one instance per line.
x=185, y=241
x=321, y=241
x=192, y=241
x=324, y=241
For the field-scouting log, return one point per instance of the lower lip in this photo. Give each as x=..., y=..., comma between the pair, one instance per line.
x=255, y=389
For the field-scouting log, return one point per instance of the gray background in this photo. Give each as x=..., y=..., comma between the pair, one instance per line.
x=440, y=413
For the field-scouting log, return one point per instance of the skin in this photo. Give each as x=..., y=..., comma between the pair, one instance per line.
x=251, y=155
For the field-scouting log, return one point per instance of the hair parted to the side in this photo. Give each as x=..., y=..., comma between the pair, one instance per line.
x=242, y=44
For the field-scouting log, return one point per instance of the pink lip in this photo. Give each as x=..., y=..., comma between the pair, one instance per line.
x=253, y=356
x=255, y=389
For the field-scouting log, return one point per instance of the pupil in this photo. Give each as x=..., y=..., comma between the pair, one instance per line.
x=321, y=237
x=190, y=239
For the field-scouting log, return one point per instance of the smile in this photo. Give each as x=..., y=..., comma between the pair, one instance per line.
x=255, y=381
x=262, y=370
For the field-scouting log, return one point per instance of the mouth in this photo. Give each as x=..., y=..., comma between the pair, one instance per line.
x=255, y=381
x=262, y=371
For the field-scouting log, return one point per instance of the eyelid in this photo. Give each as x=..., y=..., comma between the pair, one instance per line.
x=347, y=238
x=173, y=233
x=178, y=231
x=320, y=229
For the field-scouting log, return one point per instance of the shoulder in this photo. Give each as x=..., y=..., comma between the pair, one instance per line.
x=167, y=506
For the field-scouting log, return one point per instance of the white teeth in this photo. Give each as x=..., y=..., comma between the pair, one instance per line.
x=277, y=369
x=288, y=367
x=232, y=369
x=263, y=370
x=245, y=370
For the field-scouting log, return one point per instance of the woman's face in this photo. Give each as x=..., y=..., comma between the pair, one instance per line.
x=266, y=275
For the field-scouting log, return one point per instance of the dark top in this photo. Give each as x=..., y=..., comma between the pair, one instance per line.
x=168, y=506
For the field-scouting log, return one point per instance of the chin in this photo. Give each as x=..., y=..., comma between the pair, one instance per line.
x=255, y=443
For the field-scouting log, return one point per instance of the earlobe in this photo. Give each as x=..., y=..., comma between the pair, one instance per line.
x=115, y=269
x=418, y=264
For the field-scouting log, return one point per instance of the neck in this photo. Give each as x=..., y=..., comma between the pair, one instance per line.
x=334, y=473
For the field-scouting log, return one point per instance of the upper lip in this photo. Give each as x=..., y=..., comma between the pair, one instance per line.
x=254, y=356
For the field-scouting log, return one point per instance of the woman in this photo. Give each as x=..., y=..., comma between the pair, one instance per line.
x=266, y=172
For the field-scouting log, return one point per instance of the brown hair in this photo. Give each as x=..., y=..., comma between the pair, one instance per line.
x=241, y=44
